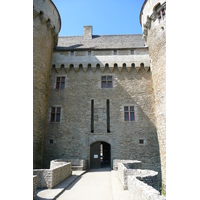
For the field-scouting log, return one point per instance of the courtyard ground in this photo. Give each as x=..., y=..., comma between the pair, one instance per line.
x=95, y=184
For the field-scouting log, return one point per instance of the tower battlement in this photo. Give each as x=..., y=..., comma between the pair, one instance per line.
x=48, y=13
x=152, y=11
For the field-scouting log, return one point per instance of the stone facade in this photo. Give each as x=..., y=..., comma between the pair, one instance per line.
x=153, y=21
x=132, y=86
x=70, y=116
x=46, y=25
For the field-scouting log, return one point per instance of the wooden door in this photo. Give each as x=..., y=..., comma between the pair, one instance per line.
x=95, y=160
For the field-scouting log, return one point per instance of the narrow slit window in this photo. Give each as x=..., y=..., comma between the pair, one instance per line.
x=92, y=116
x=108, y=115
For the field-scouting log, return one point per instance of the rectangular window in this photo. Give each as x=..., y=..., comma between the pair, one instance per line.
x=141, y=141
x=89, y=53
x=92, y=116
x=60, y=83
x=163, y=13
x=132, y=115
x=51, y=141
x=108, y=115
x=115, y=52
x=129, y=113
x=55, y=114
x=72, y=53
x=159, y=17
x=106, y=82
x=132, y=52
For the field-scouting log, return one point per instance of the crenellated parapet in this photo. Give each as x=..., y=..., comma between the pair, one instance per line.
x=102, y=68
x=152, y=11
x=128, y=63
x=49, y=15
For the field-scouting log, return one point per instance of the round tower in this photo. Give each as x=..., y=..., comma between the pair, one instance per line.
x=46, y=26
x=153, y=22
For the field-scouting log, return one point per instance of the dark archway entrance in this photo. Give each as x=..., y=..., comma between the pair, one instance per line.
x=100, y=155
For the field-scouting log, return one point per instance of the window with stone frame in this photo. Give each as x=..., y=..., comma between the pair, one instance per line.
x=60, y=82
x=161, y=14
x=55, y=114
x=129, y=113
x=141, y=141
x=106, y=82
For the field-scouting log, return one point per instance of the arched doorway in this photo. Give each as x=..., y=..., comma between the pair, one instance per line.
x=100, y=154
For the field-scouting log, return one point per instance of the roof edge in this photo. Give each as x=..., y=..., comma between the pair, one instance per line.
x=59, y=48
x=137, y=34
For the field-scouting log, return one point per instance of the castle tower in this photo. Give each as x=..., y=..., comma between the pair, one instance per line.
x=153, y=22
x=46, y=26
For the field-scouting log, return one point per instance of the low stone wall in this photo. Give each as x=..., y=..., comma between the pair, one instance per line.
x=141, y=191
x=48, y=178
x=74, y=162
x=34, y=185
x=54, y=164
x=135, y=164
x=147, y=176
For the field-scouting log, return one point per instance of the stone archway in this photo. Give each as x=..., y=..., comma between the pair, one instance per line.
x=100, y=155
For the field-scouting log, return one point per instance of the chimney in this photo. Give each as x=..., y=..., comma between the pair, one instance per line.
x=87, y=32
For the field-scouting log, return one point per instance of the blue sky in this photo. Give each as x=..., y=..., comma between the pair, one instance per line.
x=108, y=17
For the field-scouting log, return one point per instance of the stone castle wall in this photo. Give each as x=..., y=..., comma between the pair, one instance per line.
x=80, y=164
x=102, y=58
x=135, y=164
x=45, y=29
x=133, y=85
x=154, y=32
x=139, y=190
x=48, y=178
x=72, y=137
x=147, y=176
